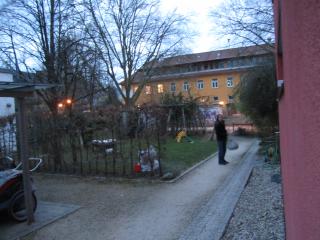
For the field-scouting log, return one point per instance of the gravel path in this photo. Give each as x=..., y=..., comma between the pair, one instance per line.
x=128, y=210
x=259, y=211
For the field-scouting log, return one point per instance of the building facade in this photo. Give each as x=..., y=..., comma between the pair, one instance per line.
x=298, y=69
x=7, y=106
x=210, y=77
x=7, y=122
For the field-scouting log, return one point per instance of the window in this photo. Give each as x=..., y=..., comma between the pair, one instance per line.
x=215, y=98
x=200, y=84
x=230, y=63
x=254, y=60
x=183, y=69
x=230, y=98
x=173, y=87
x=186, y=86
x=242, y=62
x=160, y=88
x=148, y=90
x=230, y=82
x=175, y=70
x=214, y=83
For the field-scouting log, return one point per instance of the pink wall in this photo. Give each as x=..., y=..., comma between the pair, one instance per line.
x=300, y=116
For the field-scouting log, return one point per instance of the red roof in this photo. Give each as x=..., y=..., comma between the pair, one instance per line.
x=205, y=57
x=216, y=55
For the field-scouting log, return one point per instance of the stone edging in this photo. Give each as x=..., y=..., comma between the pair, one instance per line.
x=190, y=169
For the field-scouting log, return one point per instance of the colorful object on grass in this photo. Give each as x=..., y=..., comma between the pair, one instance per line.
x=137, y=168
x=181, y=135
x=148, y=159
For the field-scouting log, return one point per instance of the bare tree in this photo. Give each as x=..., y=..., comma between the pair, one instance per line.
x=4, y=4
x=44, y=38
x=131, y=35
x=245, y=22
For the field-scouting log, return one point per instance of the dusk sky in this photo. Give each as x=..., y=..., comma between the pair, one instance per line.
x=197, y=12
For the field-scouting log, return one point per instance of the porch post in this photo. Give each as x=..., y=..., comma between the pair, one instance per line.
x=23, y=153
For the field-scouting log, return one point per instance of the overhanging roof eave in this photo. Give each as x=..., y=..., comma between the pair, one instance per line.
x=17, y=89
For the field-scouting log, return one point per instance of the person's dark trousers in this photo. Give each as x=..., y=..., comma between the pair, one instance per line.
x=222, y=147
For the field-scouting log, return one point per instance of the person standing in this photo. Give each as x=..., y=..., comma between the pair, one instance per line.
x=221, y=135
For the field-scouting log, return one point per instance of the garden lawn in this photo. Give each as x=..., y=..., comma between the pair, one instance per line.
x=175, y=157
x=178, y=157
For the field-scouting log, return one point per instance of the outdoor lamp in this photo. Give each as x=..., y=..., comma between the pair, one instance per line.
x=68, y=101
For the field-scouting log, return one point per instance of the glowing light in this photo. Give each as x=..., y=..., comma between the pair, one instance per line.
x=221, y=102
x=148, y=90
x=60, y=105
x=160, y=88
x=68, y=101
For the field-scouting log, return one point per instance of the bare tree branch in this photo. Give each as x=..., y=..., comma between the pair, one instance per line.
x=130, y=35
x=245, y=22
x=47, y=34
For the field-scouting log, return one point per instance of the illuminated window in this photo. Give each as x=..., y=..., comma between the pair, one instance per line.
x=214, y=83
x=230, y=82
x=173, y=87
x=148, y=90
x=200, y=84
x=186, y=86
x=160, y=88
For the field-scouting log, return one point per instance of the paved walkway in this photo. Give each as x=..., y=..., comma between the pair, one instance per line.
x=196, y=206
x=46, y=213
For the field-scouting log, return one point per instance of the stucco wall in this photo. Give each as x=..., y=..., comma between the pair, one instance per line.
x=222, y=92
x=300, y=117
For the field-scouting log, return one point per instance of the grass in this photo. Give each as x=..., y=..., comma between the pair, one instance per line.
x=175, y=157
x=180, y=156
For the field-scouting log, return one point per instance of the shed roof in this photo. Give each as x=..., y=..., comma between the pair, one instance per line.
x=20, y=89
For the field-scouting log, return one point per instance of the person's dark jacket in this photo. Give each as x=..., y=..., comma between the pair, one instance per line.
x=220, y=130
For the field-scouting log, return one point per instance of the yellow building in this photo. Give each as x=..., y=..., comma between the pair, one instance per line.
x=210, y=76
